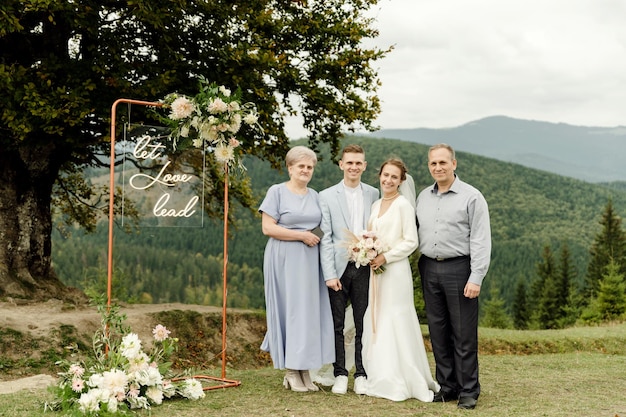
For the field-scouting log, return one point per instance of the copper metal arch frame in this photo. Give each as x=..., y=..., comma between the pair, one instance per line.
x=225, y=383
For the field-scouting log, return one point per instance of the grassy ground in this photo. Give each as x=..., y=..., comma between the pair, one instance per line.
x=550, y=373
x=550, y=385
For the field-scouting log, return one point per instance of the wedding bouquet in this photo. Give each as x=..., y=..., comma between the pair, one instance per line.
x=362, y=249
x=121, y=376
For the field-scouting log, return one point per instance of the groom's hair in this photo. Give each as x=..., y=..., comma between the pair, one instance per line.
x=352, y=148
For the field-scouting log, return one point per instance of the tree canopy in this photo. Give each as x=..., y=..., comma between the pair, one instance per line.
x=64, y=63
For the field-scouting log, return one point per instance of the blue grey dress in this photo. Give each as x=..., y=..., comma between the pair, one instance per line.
x=299, y=322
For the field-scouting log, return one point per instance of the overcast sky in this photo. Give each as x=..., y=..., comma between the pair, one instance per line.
x=456, y=61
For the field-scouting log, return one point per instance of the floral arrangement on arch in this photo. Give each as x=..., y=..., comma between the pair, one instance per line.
x=364, y=247
x=211, y=120
x=121, y=376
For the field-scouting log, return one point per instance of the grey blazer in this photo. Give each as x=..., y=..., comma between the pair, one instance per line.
x=335, y=221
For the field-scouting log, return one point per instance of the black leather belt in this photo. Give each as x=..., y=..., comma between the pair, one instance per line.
x=456, y=258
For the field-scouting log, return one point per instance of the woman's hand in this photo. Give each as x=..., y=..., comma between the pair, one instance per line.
x=309, y=238
x=378, y=261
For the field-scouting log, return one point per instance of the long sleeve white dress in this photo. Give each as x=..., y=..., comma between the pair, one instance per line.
x=394, y=355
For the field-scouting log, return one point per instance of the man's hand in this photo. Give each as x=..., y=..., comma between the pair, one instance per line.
x=334, y=284
x=471, y=290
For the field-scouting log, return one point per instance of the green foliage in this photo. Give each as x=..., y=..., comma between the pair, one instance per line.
x=608, y=245
x=610, y=302
x=529, y=210
x=553, y=291
x=63, y=65
x=545, y=292
x=521, y=311
x=494, y=312
x=612, y=294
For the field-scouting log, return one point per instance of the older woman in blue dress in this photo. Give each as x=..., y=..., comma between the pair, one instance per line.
x=299, y=323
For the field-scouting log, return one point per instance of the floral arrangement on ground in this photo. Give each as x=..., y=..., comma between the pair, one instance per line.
x=211, y=119
x=120, y=376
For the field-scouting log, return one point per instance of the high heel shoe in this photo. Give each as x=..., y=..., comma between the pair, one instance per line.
x=306, y=379
x=293, y=381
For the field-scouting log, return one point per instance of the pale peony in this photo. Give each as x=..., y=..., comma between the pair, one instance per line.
x=182, y=108
x=155, y=395
x=114, y=381
x=89, y=402
x=225, y=91
x=112, y=405
x=208, y=132
x=217, y=106
x=148, y=377
x=250, y=119
x=160, y=333
x=138, y=402
x=169, y=389
x=234, y=142
x=95, y=380
x=192, y=389
x=138, y=363
x=234, y=106
x=235, y=123
x=131, y=346
x=224, y=153
x=195, y=122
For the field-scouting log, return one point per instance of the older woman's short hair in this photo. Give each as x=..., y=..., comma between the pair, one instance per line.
x=298, y=153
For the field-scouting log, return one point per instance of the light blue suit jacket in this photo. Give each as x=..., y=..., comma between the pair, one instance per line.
x=335, y=221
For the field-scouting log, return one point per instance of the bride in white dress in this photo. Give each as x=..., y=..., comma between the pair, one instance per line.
x=394, y=355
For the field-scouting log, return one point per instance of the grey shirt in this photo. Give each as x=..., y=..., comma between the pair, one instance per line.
x=455, y=223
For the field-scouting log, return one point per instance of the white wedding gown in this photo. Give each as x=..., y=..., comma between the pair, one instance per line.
x=394, y=355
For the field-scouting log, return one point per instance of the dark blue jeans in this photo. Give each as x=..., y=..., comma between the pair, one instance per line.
x=355, y=289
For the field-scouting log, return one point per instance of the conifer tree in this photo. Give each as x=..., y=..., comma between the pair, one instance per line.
x=544, y=269
x=609, y=244
x=545, y=291
x=495, y=315
x=521, y=313
x=611, y=300
x=566, y=275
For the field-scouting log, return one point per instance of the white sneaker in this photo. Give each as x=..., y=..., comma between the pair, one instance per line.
x=341, y=385
x=360, y=385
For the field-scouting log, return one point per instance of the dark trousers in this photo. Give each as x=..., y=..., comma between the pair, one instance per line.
x=355, y=289
x=452, y=323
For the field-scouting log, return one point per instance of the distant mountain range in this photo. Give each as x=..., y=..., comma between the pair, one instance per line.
x=592, y=154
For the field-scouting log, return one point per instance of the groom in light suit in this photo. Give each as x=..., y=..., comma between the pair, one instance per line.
x=346, y=206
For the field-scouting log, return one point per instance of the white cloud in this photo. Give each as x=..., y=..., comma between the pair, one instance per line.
x=457, y=60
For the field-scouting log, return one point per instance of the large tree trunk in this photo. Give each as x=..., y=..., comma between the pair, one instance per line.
x=27, y=175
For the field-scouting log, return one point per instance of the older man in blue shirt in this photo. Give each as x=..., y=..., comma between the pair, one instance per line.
x=455, y=243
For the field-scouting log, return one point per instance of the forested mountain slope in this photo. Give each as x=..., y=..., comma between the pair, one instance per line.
x=529, y=209
x=588, y=153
